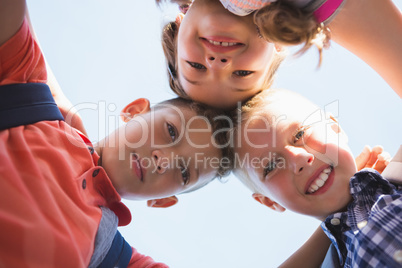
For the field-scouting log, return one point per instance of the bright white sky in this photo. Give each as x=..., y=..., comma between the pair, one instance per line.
x=107, y=53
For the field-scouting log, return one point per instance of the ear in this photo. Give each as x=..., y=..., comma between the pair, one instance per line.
x=278, y=48
x=335, y=125
x=336, y=128
x=138, y=106
x=163, y=202
x=179, y=18
x=268, y=202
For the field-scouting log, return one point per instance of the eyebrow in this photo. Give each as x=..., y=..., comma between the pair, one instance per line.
x=242, y=90
x=191, y=82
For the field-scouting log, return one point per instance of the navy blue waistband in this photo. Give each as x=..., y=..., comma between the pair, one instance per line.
x=119, y=254
x=24, y=104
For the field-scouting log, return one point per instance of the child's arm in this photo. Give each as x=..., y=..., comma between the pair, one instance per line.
x=311, y=253
x=66, y=108
x=138, y=261
x=372, y=30
x=12, y=14
x=11, y=18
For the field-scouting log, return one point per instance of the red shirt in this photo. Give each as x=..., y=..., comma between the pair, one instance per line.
x=50, y=185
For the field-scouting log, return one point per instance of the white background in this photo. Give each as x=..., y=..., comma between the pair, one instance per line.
x=108, y=53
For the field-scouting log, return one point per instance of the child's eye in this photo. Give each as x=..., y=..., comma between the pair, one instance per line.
x=185, y=174
x=171, y=131
x=269, y=167
x=242, y=73
x=300, y=133
x=197, y=65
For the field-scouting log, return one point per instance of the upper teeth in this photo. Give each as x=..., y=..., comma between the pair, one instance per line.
x=320, y=181
x=225, y=44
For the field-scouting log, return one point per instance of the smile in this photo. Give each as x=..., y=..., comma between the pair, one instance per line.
x=320, y=180
x=224, y=44
x=220, y=45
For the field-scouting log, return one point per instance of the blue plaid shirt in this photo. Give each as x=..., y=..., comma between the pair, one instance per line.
x=369, y=233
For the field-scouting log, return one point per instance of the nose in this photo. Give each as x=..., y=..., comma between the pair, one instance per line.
x=160, y=162
x=218, y=61
x=299, y=159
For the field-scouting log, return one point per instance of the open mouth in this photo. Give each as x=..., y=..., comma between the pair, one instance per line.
x=320, y=180
x=221, y=44
x=224, y=44
x=137, y=167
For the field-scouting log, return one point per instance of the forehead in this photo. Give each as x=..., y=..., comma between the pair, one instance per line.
x=219, y=94
x=290, y=105
x=178, y=109
x=284, y=108
x=276, y=117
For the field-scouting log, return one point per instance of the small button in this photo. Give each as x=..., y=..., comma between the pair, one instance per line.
x=398, y=256
x=84, y=184
x=335, y=221
x=361, y=224
x=95, y=173
x=91, y=149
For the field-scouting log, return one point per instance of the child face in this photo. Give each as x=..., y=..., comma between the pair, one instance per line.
x=301, y=160
x=221, y=59
x=160, y=153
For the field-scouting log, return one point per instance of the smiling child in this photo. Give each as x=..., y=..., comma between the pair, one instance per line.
x=297, y=157
x=219, y=58
x=216, y=57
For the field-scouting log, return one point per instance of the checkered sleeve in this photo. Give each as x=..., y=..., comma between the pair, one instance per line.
x=379, y=242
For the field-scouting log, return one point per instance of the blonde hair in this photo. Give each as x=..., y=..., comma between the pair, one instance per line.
x=245, y=179
x=285, y=24
x=253, y=107
x=256, y=105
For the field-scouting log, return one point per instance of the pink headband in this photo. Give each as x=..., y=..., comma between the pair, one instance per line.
x=327, y=9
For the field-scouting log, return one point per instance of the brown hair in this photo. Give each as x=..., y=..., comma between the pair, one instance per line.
x=169, y=41
x=285, y=24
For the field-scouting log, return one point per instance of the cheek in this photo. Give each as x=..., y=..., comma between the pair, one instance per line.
x=195, y=94
x=188, y=48
x=134, y=134
x=280, y=189
x=261, y=54
x=323, y=147
x=347, y=162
